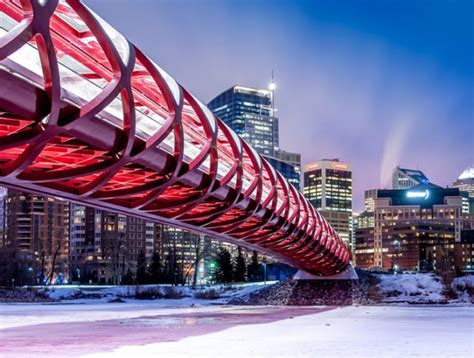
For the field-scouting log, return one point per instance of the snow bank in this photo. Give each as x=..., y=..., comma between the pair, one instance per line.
x=81, y=294
x=464, y=282
x=464, y=288
x=411, y=288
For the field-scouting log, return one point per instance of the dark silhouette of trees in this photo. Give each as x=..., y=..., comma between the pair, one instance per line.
x=240, y=267
x=155, y=270
x=128, y=278
x=254, y=269
x=112, y=245
x=142, y=274
x=224, y=270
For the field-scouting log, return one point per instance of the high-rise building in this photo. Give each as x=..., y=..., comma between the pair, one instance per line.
x=465, y=182
x=248, y=111
x=290, y=171
x=290, y=158
x=85, y=250
x=328, y=186
x=179, y=248
x=37, y=232
x=406, y=178
x=187, y=255
x=291, y=168
x=407, y=223
x=369, y=200
x=104, y=246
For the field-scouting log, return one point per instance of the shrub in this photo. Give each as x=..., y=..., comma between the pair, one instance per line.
x=393, y=293
x=150, y=293
x=210, y=294
x=172, y=292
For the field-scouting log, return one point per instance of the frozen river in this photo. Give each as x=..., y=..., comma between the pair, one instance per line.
x=154, y=329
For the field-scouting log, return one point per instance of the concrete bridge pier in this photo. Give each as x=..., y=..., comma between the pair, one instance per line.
x=337, y=290
x=348, y=274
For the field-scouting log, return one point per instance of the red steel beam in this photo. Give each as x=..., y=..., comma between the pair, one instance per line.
x=86, y=116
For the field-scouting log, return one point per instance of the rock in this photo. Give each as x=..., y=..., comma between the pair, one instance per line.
x=23, y=295
x=314, y=292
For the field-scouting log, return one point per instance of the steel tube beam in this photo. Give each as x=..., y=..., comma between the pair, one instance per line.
x=86, y=116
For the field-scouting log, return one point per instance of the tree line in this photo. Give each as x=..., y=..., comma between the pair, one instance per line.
x=221, y=268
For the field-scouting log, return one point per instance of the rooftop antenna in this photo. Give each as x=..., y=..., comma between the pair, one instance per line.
x=272, y=87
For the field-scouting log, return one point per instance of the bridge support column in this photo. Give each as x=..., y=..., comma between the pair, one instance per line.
x=335, y=290
x=348, y=274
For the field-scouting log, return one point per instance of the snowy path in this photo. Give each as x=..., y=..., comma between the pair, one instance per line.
x=148, y=329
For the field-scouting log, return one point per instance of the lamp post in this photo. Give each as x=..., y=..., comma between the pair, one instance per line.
x=30, y=271
x=264, y=273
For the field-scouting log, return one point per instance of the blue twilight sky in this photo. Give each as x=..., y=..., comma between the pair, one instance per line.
x=375, y=83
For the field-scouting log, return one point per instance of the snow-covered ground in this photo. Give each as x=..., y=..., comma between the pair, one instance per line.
x=149, y=329
x=413, y=288
x=416, y=288
x=343, y=332
x=106, y=293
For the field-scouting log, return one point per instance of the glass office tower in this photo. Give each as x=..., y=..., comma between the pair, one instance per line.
x=248, y=111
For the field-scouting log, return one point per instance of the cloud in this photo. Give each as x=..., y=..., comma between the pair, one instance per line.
x=393, y=148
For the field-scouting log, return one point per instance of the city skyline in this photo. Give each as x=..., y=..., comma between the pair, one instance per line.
x=186, y=177
x=372, y=84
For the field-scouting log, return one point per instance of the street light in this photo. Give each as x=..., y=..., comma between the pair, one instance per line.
x=264, y=273
x=30, y=270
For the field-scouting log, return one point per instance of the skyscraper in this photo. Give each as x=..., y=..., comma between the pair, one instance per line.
x=328, y=186
x=290, y=158
x=465, y=182
x=290, y=170
x=248, y=111
x=406, y=178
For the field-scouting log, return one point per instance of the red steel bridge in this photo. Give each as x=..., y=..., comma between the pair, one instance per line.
x=86, y=116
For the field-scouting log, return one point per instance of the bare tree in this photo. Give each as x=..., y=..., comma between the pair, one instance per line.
x=53, y=264
x=112, y=246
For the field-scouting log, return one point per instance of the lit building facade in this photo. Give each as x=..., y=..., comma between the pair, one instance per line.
x=182, y=251
x=37, y=232
x=248, y=111
x=290, y=158
x=290, y=171
x=292, y=162
x=328, y=186
x=104, y=246
x=465, y=182
x=407, y=224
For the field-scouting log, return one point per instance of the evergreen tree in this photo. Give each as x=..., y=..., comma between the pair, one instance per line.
x=225, y=269
x=155, y=270
x=142, y=276
x=240, y=267
x=128, y=278
x=254, y=271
